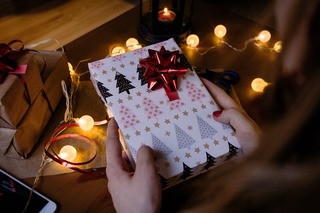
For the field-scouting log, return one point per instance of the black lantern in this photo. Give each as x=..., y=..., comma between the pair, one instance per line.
x=164, y=19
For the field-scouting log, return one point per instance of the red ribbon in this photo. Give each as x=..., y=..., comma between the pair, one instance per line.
x=163, y=70
x=8, y=57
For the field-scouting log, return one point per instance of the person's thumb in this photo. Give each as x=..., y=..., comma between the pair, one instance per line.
x=145, y=164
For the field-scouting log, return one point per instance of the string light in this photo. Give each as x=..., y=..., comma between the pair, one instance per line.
x=220, y=31
x=258, y=84
x=86, y=122
x=117, y=51
x=68, y=153
x=192, y=40
x=133, y=44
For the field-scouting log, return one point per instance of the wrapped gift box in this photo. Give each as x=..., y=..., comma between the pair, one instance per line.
x=182, y=131
x=27, y=102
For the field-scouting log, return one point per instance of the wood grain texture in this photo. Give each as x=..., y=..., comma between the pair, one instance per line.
x=33, y=21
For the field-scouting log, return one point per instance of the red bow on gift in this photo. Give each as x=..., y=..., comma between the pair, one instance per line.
x=162, y=70
x=8, y=56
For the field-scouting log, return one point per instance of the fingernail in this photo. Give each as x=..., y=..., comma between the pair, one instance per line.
x=217, y=113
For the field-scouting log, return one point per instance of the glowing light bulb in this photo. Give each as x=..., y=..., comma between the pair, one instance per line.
x=220, y=31
x=192, y=40
x=258, y=84
x=68, y=153
x=117, y=51
x=133, y=44
x=86, y=122
x=277, y=46
x=264, y=36
x=70, y=66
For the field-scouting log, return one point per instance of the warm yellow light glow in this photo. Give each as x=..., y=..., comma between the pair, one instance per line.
x=117, y=51
x=70, y=66
x=258, y=84
x=220, y=31
x=165, y=11
x=68, y=153
x=192, y=40
x=86, y=122
x=264, y=36
x=133, y=44
x=277, y=46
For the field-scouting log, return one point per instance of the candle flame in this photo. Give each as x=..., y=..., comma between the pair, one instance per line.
x=166, y=11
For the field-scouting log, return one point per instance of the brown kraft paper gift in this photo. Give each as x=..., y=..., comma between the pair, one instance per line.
x=26, y=108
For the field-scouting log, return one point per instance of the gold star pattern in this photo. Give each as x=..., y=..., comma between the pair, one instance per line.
x=109, y=80
x=188, y=155
x=211, y=102
x=127, y=136
x=167, y=164
x=139, y=93
x=113, y=69
x=147, y=129
x=216, y=142
x=156, y=125
x=95, y=75
x=167, y=121
x=122, y=65
x=233, y=134
x=138, y=133
x=190, y=127
x=185, y=113
x=206, y=146
x=168, y=133
x=104, y=72
x=203, y=106
x=138, y=106
x=180, y=90
x=110, y=104
x=133, y=78
x=120, y=101
x=177, y=159
x=161, y=102
x=209, y=116
x=129, y=97
x=225, y=138
x=132, y=63
x=194, y=110
x=176, y=117
x=197, y=150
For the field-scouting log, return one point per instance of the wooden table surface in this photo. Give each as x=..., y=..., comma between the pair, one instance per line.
x=78, y=193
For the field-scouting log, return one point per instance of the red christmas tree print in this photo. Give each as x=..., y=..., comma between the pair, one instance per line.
x=151, y=109
x=127, y=117
x=194, y=92
x=176, y=104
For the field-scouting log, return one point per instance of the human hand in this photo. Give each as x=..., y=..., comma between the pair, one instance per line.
x=131, y=192
x=247, y=131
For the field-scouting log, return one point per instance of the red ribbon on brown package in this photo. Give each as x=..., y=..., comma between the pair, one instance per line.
x=163, y=70
x=8, y=56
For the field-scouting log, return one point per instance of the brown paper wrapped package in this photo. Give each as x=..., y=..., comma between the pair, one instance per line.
x=25, y=109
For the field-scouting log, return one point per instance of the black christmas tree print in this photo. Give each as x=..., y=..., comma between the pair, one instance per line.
x=123, y=83
x=140, y=71
x=187, y=172
x=206, y=130
x=103, y=90
x=162, y=150
x=183, y=139
x=211, y=161
x=164, y=182
x=232, y=151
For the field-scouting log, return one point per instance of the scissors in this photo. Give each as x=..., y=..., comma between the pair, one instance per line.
x=223, y=78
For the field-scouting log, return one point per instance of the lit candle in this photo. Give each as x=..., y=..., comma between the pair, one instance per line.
x=68, y=153
x=166, y=15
